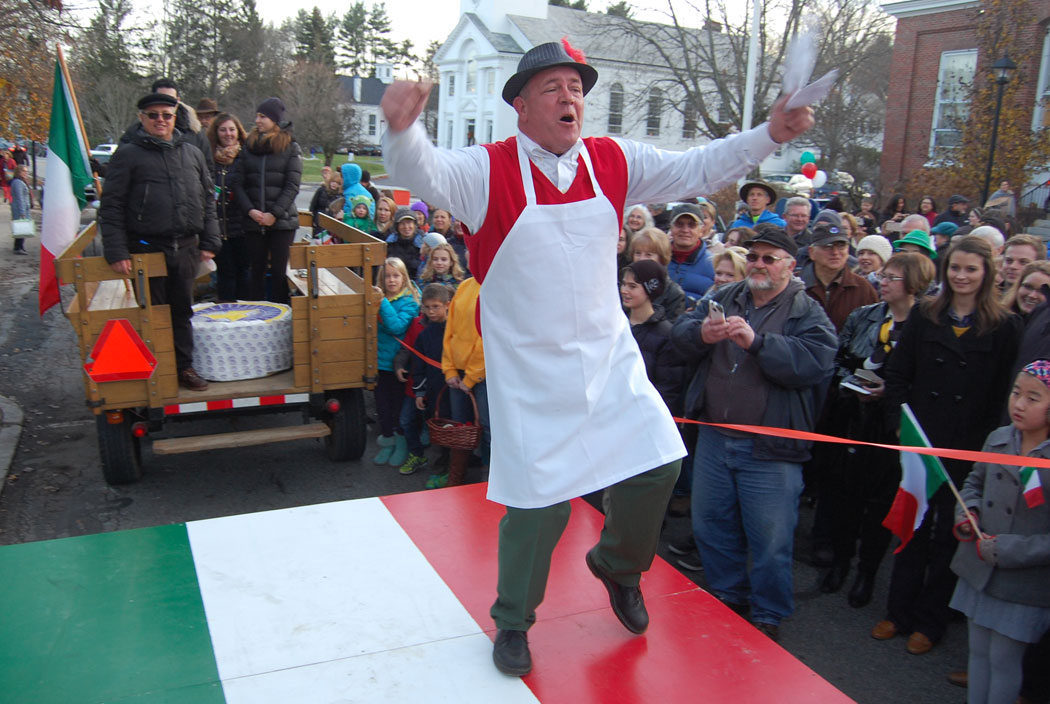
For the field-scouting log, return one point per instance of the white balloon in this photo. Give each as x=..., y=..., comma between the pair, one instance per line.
x=819, y=179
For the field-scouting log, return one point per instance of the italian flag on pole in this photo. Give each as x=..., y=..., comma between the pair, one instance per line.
x=67, y=174
x=921, y=477
x=1033, y=487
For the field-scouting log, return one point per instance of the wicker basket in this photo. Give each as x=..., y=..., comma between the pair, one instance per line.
x=454, y=434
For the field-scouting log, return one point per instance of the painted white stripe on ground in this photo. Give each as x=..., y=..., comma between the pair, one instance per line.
x=313, y=584
x=456, y=671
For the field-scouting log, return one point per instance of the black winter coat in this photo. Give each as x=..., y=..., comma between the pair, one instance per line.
x=666, y=368
x=407, y=252
x=270, y=181
x=956, y=386
x=159, y=192
x=226, y=178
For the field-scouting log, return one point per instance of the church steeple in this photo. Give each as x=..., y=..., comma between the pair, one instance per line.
x=494, y=12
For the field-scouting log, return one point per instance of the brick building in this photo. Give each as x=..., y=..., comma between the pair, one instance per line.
x=934, y=52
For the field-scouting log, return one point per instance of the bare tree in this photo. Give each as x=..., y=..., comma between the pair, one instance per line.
x=318, y=105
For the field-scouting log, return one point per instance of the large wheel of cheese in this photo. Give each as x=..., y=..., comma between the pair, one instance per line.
x=243, y=340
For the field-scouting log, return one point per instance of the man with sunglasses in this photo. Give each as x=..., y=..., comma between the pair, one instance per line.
x=158, y=198
x=765, y=359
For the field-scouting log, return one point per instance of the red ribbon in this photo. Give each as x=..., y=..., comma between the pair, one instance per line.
x=946, y=453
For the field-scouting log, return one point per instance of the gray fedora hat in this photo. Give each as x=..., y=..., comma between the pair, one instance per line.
x=543, y=57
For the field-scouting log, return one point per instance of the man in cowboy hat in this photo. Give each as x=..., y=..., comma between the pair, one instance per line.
x=207, y=109
x=758, y=195
x=540, y=200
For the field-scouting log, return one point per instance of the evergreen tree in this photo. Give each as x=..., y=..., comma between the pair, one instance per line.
x=315, y=37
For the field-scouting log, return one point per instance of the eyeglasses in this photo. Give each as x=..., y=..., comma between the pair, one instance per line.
x=160, y=115
x=887, y=277
x=767, y=259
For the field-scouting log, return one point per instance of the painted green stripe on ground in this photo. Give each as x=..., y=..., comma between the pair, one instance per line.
x=114, y=617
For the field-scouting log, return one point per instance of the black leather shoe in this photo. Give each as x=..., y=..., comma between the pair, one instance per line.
x=627, y=602
x=860, y=593
x=511, y=653
x=834, y=579
x=823, y=556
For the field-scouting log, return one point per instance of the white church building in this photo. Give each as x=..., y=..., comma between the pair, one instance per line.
x=483, y=51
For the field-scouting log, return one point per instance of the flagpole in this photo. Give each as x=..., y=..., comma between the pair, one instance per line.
x=959, y=499
x=76, y=107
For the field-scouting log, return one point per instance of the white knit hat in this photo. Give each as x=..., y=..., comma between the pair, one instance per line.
x=878, y=244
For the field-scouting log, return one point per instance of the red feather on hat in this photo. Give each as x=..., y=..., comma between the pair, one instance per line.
x=575, y=53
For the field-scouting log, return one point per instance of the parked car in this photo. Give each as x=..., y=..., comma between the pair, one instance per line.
x=102, y=158
x=104, y=148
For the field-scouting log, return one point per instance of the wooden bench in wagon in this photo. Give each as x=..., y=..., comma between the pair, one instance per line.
x=334, y=312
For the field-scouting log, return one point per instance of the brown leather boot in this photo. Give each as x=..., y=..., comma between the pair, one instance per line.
x=457, y=467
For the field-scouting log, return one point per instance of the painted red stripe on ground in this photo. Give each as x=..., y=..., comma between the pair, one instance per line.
x=695, y=649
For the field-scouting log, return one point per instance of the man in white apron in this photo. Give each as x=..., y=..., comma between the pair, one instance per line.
x=570, y=406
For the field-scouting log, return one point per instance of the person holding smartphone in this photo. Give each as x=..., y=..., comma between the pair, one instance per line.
x=764, y=352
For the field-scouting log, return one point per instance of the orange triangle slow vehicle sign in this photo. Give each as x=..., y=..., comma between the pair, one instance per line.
x=119, y=354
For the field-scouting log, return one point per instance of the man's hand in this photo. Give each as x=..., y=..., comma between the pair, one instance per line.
x=403, y=102
x=739, y=332
x=121, y=267
x=402, y=375
x=712, y=331
x=785, y=126
x=206, y=255
x=421, y=403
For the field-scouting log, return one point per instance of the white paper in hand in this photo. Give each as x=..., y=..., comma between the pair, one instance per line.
x=799, y=62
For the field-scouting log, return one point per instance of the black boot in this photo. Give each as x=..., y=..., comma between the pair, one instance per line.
x=511, y=654
x=860, y=592
x=834, y=579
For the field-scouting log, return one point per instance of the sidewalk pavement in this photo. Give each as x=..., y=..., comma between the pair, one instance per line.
x=11, y=420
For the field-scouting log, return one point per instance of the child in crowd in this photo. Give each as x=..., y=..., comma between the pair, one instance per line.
x=402, y=244
x=463, y=367
x=442, y=266
x=641, y=282
x=399, y=306
x=654, y=244
x=422, y=212
x=430, y=240
x=427, y=380
x=326, y=193
x=1004, y=573
x=358, y=217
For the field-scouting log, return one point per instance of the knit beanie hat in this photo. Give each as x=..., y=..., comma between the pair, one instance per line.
x=651, y=275
x=878, y=244
x=360, y=200
x=433, y=239
x=273, y=108
x=421, y=207
x=828, y=216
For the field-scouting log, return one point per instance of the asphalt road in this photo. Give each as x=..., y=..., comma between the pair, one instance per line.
x=55, y=489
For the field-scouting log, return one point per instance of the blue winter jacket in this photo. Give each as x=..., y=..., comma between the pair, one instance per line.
x=395, y=315
x=766, y=218
x=695, y=275
x=352, y=187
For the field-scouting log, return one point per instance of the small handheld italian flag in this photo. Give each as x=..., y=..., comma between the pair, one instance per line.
x=1033, y=487
x=921, y=477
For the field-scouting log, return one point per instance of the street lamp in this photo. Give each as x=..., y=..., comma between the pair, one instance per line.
x=1003, y=68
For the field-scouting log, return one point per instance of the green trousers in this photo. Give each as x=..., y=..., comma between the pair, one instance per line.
x=625, y=549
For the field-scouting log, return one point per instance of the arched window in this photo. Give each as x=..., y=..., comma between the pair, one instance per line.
x=615, y=109
x=656, y=106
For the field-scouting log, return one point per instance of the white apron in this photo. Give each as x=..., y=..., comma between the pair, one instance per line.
x=571, y=408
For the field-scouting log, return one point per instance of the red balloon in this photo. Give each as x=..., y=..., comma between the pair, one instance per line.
x=809, y=170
